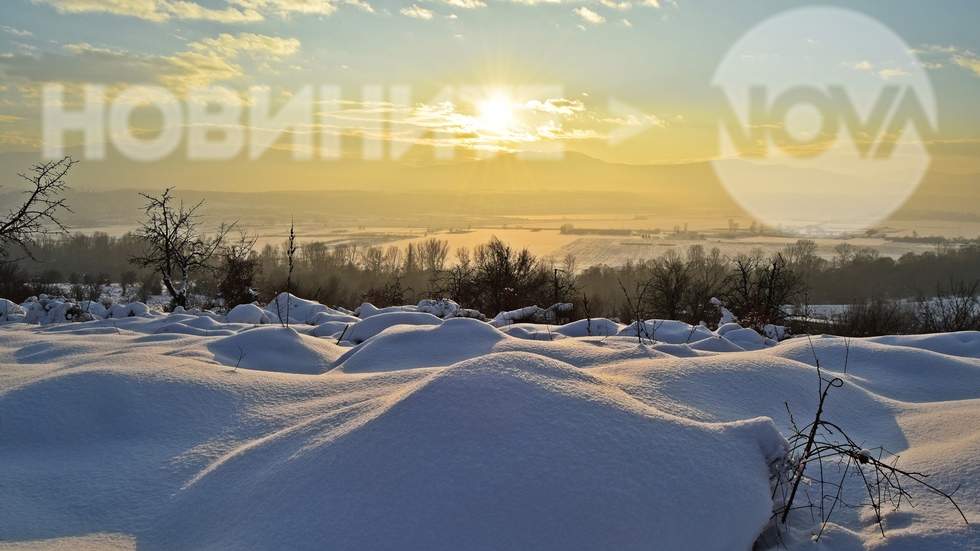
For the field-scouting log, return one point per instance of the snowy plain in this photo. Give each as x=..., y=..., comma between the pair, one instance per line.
x=421, y=428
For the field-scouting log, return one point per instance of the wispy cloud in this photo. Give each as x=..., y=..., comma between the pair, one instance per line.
x=16, y=32
x=416, y=12
x=957, y=56
x=203, y=63
x=466, y=4
x=934, y=49
x=560, y=106
x=238, y=11
x=447, y=124
x=154, y=10
x=588, y=15
x=255, y=45
x=616, y=5
x=286, y=8
x=968, y=60
x=888, y=74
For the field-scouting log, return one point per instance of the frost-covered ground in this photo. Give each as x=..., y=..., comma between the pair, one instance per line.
x=409, y=429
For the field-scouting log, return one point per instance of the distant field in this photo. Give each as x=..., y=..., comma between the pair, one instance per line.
x=592, y=250
x=540, y=234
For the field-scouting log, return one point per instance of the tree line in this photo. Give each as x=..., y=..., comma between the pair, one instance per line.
x=172, y=253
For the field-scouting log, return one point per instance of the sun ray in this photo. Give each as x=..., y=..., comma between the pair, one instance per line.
x=496, y=113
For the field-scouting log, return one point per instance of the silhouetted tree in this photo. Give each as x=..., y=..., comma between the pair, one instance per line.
x=39, y=213
x=174, y=243
x=239, y=268
x=758, y=289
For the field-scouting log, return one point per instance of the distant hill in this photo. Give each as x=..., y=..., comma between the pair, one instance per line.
x=501, y=185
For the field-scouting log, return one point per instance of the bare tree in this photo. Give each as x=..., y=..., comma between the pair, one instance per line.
x=239, y=268
x=757, y=290
x=507, y=278
x=954, y=309
x=174, y=242
x=670, y=280
x=433, y=253
x=38, y=214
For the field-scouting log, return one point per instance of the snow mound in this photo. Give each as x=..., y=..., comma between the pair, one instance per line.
x=10, y=311
x=201, y=326
x=275, y=348
x=747, y=339
x=408, y=346
x=142, y=432
x=367, y=310
x=530, y=331
x=467, y=460
x=597, y=327
x=378, y=322
x=133, y=309
x=332, y=317
x=667, y=331
x=896, y=372
x=963, y=343
x=299, y=310
x=248, y=313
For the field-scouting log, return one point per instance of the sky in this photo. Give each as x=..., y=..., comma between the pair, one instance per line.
x=632, y=81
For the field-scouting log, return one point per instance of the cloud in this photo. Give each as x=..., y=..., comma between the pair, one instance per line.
x=460, y=126
x=862, y=65
x=466, y=4
x=633, y=120
x=626, y=23
x=256, y=45
x=561, y=106
x=616, y=5
x=968, y=60
x=887, y=74
x=958, y=56
x=588, y=15
x=934, y=49
x=536, y=2
x=203, y=63
x=16, y=32
x=286, y=8
x=238, y=11
x=154, y=10
x=417, y=12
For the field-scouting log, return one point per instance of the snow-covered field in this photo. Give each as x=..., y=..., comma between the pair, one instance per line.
x=144, y=430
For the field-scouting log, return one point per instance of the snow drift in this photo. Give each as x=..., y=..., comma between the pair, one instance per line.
x=190, y=431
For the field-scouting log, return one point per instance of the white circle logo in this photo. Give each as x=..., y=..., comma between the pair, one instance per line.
x=826, y=114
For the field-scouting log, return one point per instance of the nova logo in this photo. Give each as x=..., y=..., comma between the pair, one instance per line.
x=835, y=116
x=830, y=109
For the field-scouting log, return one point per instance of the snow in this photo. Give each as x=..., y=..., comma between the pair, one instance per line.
x=299, y=310
x=422, y=429
x=379, y=321
x=669, y=331
x=10, y=311
x=598, y=327
x=129, y=310
x=248, y=313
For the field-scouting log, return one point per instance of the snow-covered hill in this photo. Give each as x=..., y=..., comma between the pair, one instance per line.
x=188, y=431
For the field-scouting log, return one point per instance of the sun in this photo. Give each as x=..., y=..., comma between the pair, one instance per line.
x=496, y=113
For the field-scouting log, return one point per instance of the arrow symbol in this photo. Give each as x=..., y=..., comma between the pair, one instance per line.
x=631, y=121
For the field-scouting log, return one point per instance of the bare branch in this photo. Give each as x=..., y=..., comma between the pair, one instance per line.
x=39, y=213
